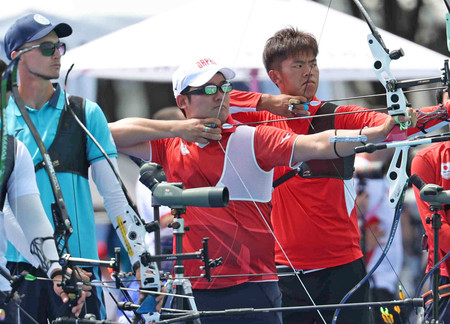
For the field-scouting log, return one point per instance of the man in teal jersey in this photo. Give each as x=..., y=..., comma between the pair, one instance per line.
x=72, y=152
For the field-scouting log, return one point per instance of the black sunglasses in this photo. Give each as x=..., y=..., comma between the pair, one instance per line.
x=210, y=89
x=48, y=48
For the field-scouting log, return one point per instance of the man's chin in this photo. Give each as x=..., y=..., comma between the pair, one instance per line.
x=223, y=116
x=52, y=76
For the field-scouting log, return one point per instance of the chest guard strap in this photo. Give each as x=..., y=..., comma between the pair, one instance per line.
x=340, y=168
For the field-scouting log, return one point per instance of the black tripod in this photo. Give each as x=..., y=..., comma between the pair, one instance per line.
x=437, y=197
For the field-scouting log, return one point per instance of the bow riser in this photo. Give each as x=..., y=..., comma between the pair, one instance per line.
x=396, y=101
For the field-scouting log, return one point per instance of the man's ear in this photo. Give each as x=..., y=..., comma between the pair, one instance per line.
x=13, y=54
x=275, y=76
x=182, y=101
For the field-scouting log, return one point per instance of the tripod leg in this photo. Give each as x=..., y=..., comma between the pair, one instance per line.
x=184, y=287
x=187, y=290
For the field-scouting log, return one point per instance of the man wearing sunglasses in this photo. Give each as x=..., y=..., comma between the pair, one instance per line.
x=241, y=158
x=35, y=41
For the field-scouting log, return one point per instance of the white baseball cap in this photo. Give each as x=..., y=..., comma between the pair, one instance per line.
x=197, y=74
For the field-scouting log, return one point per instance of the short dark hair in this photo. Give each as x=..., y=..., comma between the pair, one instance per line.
x=286, y=43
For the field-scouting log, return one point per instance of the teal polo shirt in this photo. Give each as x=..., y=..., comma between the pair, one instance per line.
x=75, y=188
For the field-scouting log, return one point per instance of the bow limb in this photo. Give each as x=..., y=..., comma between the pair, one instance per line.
x=398, y=180
x=396, y=220
x=395, y=98
x=425, y=278
x=398, y=183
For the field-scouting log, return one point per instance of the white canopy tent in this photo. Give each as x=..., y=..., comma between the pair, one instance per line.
x=234, y=33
